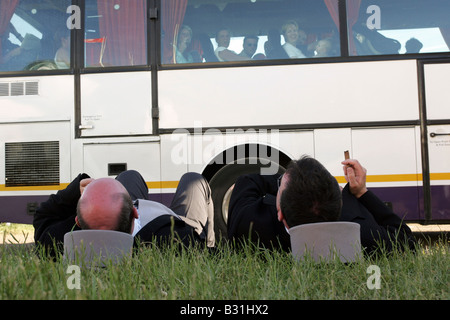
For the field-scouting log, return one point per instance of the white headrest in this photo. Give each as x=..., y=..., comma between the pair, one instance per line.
x=95, y=247
x=325, y=241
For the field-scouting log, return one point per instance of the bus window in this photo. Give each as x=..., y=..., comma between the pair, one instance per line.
x=398, y=27
x=214, y=31
x=36, y=36
x=115, y=33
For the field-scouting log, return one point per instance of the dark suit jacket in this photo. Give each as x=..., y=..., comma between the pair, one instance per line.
x=380, y=226
x=252, y=215
x=252, y=212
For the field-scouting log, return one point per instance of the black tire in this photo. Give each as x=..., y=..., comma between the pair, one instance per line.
x=221, y=187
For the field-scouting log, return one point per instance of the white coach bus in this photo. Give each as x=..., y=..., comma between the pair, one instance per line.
x=224, y=87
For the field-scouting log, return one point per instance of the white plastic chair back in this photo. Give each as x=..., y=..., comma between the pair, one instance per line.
x=325, y=241
x=96, y=247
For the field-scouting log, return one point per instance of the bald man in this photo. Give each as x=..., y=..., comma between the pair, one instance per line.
x=102, y=204
x=122, y=204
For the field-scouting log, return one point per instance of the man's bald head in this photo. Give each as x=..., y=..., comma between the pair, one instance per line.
x=105, y=205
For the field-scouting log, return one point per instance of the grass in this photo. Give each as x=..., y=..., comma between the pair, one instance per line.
x=227, y=274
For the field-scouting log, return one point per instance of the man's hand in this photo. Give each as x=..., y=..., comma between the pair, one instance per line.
x=84, y=183
x=355, y=174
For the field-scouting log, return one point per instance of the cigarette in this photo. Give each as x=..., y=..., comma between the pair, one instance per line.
x=346, y=155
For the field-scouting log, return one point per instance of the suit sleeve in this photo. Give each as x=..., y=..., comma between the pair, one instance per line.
x=395, y=229
x=251, y=189
x=379, y=224
x=56, y=216
x=252, y=212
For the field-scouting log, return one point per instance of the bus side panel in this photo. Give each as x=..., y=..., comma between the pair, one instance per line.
x=37, y=99
x=437, y=93
x=389, y=154
x=289, y=95
x=116, y=104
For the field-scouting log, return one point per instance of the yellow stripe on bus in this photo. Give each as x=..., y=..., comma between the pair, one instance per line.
x=400, y=177
x=34, y=188
x=162, y=184
x=150, y=185
x=440, y=176
x=413, y=177
x=387, y=178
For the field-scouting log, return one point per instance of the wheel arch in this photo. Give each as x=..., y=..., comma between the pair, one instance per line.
x=220, y=160
x=223, y=170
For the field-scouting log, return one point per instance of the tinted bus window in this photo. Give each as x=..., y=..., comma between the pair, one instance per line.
x=398, y=27
x=115, y=33
x=215, y=31
x=34, y=35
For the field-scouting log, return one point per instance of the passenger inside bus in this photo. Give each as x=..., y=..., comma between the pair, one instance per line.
x=207, y=48
x=8, y=48
x=183, y=52
x=370, y=42
x=20, y=57
x=290, y=32
x=325, y=48
x=306, y=43
x=272, y=47
x=28, y=40
x=413, y=46
x=223, y=37
x=62, y=56
x=249, y=47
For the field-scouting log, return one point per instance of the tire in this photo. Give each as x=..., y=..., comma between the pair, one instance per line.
x=222, y=184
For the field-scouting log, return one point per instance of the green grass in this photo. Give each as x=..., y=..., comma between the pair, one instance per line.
x=227, y=274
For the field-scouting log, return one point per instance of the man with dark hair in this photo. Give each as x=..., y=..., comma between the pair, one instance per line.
x=413, y=46
x=311, y=193
x=263, y=208
x=223, y=38
x=122, y=204
x=249, y=46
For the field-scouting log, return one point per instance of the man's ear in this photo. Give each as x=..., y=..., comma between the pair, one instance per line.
x=134, y=215
x=282, y=219
x=77, y=222
x=280, y=215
